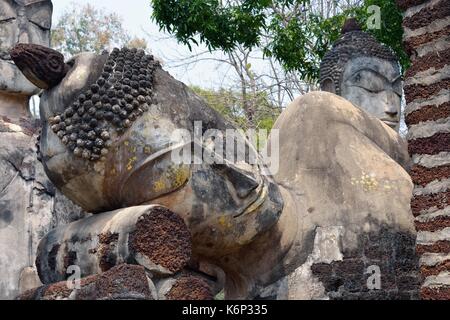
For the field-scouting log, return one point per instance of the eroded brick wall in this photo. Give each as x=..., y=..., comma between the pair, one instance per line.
x=391, y=251
x=427, y=89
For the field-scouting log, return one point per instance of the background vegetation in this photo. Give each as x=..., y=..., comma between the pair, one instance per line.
x=272, y=47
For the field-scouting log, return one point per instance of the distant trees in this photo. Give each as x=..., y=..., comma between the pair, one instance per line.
x=297, y=33
x=87, y=28
x=230, y=104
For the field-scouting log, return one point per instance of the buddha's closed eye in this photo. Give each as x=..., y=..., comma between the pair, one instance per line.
x=368, y=80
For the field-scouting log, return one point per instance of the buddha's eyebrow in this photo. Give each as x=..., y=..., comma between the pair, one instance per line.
x=379, y=74
x=370, y=70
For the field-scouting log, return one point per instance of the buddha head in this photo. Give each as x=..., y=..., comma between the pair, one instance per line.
x=365, y=72
x=21, y=21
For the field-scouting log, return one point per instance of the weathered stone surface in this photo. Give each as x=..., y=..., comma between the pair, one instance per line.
x=338, y=188
x=126, y=282
x=413, y=92
x=413, y=45
x=440, y=142
x=426, y=38
x=391, y=251
x=30, y=207
x=405, y=4
x=346, y=156
x=437, y=200
x=435, y=60
x=422, y=175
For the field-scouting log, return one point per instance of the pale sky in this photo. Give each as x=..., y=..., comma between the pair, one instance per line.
x=136, y=16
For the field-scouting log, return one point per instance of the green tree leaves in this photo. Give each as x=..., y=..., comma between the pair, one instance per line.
x=215, y=25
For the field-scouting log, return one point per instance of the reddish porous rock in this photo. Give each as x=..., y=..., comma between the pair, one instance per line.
x=439, y=293
x=440, y=142
x=422, y=18
x=437, y=247
x=435, y=60
x=405, y=4
x=435, y=270
x=419, y=91
x=436, y=224
x=108, y=242
x=121, y=282
x=162, y=237
x=422, y=175
x=189, y=287
x=392, y=251
x=435, y=200
x=414, y=42
x=429, y=113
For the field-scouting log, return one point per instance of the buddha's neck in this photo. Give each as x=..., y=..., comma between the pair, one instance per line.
x=14, y=107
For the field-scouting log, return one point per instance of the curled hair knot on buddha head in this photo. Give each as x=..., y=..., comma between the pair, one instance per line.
x=353, y=43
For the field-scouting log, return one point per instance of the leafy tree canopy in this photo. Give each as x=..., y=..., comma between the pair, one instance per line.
x=294, y=32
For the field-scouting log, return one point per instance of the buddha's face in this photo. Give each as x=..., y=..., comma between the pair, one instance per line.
x=374, y=85
x=21, y=21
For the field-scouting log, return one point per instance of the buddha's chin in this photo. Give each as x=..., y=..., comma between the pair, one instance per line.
x=392, y=124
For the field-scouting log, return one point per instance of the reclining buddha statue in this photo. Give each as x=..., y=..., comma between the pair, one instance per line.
x=333, y=216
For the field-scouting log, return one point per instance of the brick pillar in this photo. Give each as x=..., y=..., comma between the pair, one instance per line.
x=427, y=88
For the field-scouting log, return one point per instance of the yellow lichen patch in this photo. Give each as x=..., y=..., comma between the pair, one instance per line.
x=147, y=150
x=367, y=181
x=224, y=222
x=132, y=149
x=131, y=162
x=159, y=186
x=177, y=176
x=126, y=143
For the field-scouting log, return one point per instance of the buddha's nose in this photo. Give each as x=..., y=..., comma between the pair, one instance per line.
x=24, y=38
x=390, y=107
